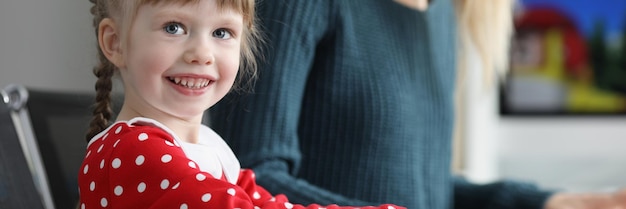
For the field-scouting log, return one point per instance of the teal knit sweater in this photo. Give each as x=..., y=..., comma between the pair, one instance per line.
x=354, y=106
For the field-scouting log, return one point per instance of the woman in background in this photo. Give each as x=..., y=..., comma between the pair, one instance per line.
x=355, y=103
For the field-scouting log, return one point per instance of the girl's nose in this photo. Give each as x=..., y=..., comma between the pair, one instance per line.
x=199, y=54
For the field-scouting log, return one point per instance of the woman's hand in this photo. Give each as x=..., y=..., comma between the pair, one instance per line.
x=615, y=200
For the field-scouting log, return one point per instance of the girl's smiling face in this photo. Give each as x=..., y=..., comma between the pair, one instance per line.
x=180, y=59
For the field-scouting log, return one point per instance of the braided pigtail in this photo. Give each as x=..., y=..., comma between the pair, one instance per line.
x=102, y=110
x=104, y=71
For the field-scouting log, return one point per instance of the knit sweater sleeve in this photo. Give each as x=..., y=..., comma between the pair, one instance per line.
x=502, y=194
x=264, y=135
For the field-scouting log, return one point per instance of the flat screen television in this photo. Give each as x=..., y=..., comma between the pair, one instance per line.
x=567, y=57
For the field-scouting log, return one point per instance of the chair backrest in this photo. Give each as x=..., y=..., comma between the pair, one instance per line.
x=23, y=182
x=60, y=121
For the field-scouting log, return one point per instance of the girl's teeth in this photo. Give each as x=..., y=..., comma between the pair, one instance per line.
x=191, y=82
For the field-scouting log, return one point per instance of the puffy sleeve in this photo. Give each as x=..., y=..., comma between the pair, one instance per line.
x=146, y=168
x=262, y=197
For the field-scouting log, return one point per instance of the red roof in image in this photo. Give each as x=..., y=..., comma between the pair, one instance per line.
x=543, y=18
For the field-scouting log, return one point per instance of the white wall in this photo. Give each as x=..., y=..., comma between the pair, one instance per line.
x=576, y=153
x=566, y=153
x=47, y=44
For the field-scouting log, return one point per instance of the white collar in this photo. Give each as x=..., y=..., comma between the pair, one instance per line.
x=208, y=137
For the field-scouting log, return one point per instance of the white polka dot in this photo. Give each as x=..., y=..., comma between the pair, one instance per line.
x=288, y=205
x=88, y=153
x=104, y=202
x=92, y=186
x=183, y=206
x=273, y=199
x=206, y=197
x=200, y=177
x=141, y=187
x=176, y=185
x=116, y=163
x=231, y=191
x=115, y=145
x=140, y=159
x=102, y=164
x=118, y=190
x=253, y=176
x=100, y=148
x=85, y=169
x=118, y=130
x=391, y=207
x=176, y=143
x=142, y=137
x=257, y=207
x=169, y=143
x=256, y=195
x=165, y=183
x=192, y=164
x=82, y=206
x=166, y=158
x=105, y=136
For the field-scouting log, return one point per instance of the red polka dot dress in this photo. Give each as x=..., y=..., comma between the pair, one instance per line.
x=142, y=164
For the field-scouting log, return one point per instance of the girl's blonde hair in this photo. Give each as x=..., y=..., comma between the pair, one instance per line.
x=124, y=11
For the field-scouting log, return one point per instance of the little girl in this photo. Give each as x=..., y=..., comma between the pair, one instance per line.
x=176, y=59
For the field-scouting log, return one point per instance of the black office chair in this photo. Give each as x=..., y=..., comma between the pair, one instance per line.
x=59, y=124
x=23, y=182
x=60, y=121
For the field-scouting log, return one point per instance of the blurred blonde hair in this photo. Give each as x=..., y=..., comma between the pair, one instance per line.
x=484, y=27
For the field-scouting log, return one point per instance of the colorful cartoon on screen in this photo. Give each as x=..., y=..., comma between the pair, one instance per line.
x=568, y=57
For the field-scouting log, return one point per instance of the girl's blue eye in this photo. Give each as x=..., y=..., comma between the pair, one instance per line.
x=222, y=33
x=174, y=28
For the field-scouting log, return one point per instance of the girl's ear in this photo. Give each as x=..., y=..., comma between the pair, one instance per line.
x=109, y=40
